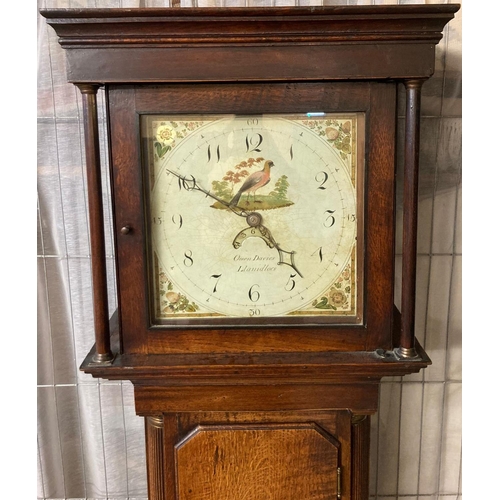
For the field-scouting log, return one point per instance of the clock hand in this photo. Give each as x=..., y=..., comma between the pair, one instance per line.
x=254, y=220
x=256, y=229
x=191, y=184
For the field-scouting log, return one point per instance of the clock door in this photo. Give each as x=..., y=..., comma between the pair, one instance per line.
x=254, y=222
x=221, y=456
x=257, y=461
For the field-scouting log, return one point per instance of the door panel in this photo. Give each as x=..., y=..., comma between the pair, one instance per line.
x=257, y=462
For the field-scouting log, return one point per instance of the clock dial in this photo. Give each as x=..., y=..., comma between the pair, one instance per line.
x=254, y=217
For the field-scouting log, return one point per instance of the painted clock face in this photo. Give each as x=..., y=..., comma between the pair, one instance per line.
x=255, y=217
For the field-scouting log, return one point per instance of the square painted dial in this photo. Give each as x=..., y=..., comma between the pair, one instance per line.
x=256, y=217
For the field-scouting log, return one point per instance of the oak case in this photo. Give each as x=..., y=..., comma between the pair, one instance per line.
x=290, y=398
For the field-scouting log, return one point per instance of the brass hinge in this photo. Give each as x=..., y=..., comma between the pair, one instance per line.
x=339, y=483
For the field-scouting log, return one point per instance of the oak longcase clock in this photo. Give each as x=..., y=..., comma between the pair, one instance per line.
x=252, y=156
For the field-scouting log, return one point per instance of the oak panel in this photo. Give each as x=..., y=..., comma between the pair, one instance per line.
x=257, y=462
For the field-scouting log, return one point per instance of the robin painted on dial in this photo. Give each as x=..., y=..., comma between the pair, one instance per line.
x=254, y=182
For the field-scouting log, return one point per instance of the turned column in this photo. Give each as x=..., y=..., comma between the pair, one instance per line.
x=410, y=218
x=96, y=222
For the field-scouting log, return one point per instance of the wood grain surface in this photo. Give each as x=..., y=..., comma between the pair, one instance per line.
x=279, y=462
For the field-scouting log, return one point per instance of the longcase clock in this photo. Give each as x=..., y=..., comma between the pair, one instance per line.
x=252, y=156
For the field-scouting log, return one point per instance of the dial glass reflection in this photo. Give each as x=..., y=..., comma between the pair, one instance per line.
x=254, y=217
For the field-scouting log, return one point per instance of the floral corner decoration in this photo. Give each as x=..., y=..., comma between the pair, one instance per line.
x=335, y=132
x=339, y=295
x=167, y=133
x=173, y=302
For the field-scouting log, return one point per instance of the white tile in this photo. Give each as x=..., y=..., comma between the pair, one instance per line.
x=92, y=444
x=60, y=321
x=431, y=438
x=388, y=438
x=68, y=417
x=454, y=347
x=135, y=442
x=452, y=102
x=114, y=440
x=443, y=227
x=451, y=448
x=409, y=447
x=424, y=224
x=45, y=365
x=437, y=316
x=49, y=442
x=80, y=286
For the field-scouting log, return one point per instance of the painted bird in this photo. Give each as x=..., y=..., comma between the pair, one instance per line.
x=254, y=182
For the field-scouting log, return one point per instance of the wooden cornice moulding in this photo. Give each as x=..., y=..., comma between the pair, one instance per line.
x=249, y=25
x=315, y=42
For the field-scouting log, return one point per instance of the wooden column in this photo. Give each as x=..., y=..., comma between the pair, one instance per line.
x=96, y=221
x=410, y=217
x=155, y=458
x=360, y=457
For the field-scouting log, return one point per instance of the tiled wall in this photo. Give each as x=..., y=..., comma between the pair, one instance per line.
x=91, y=443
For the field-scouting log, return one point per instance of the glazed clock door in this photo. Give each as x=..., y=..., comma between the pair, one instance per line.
x=244, y=216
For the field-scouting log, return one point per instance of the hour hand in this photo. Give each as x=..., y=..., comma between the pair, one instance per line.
x=256, y=229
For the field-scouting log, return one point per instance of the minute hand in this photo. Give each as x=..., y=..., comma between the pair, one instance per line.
x=191, y=184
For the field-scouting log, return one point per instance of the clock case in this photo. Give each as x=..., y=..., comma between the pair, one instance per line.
x=253, y=61
x=249, y=60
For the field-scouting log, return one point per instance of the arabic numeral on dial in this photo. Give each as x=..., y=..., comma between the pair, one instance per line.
x=188, y=258
x=351, y=217
x=187, y=183
x=177, y=220
x=290, y=284
x=321, y=178
x=217, y=278
x=254, y=312
x=253, y=121
x=217, y=153
x=253, y=142
x=319, y=251
x=330, y=219
x=157, y=220
x=253, y=294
